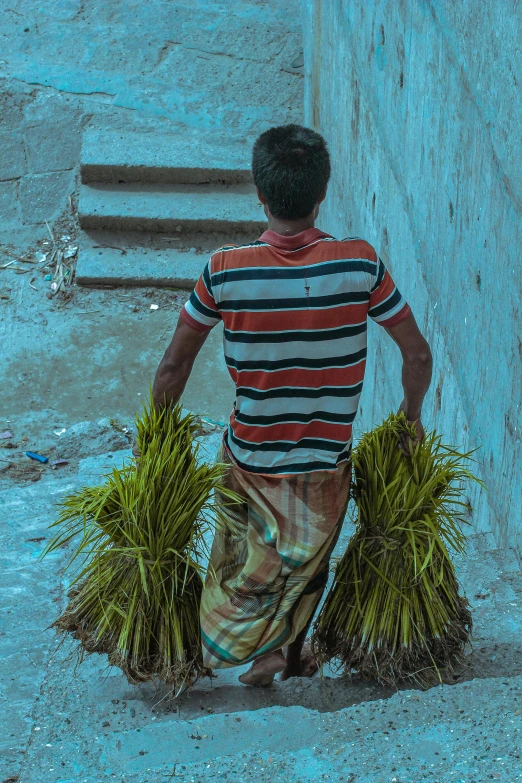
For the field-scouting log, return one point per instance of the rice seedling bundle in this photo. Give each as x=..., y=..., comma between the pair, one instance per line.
x=137, y=594
x=394, y=611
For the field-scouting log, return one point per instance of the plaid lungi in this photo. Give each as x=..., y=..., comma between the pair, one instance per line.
x=268, y=570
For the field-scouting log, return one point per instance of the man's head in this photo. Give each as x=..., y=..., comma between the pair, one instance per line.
x=291, y=169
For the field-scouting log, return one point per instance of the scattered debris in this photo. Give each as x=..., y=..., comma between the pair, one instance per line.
x=62, y=264
x=154, y=307
x=22, y=259
x=60, y=432
x=49, y=230
x=38, y=538
x=209, y=425
x=37, y=457
x=58, y=462
x=6, y=435
x=116, y=425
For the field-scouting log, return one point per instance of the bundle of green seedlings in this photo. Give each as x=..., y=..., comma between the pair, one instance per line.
x=137, y=592
x=394, y=612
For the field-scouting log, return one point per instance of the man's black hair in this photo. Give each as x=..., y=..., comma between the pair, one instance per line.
x=291, y=168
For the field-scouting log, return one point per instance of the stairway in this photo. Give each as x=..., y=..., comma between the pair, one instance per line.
x=88, y=725
x=153, y=206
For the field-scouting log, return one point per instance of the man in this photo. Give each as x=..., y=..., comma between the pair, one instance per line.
x=295, y=305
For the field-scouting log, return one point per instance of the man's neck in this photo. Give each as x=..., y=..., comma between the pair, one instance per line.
x=288, y=228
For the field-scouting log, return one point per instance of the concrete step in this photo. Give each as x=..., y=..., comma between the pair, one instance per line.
x=149, y=182
x=134, y=267
x=137, y=258
x=137, y=156
x=165, y=208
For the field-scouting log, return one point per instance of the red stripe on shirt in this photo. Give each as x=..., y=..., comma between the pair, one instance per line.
x=290, y=320
x=263, y=255
x=381, y=293
x=196, y=325
x=309, y=379
x=292, y=431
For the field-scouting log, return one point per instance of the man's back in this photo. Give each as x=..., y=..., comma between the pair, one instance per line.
x=295, y=306
x=295, y=312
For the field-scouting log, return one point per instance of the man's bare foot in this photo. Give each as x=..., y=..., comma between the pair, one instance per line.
x=306, y=666
x=264, y=669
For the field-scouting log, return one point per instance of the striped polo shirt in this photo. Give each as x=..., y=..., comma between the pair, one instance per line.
x=295, y=313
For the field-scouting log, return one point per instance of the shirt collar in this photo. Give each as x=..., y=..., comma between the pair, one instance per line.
x=295, y=241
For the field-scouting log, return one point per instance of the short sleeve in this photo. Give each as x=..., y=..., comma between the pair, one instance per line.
x=201, y=311
x=387, y=305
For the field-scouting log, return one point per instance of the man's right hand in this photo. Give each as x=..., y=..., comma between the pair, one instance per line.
x=407, y=443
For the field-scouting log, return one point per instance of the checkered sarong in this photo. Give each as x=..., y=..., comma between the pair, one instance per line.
x=268, y=571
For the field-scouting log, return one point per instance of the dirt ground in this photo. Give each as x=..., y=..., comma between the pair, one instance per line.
x=77, y=368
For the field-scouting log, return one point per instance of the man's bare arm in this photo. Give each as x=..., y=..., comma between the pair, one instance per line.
x=175, y=367
x=416, y=370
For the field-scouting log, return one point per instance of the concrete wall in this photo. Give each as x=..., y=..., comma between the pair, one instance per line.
x=420, y=103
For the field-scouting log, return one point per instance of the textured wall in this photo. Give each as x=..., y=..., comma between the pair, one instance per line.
x=420, y=104
x=174, y=65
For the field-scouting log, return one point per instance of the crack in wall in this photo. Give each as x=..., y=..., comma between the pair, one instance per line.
x=86, y=93
x=39, y=174
x=217, y=54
